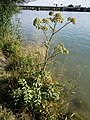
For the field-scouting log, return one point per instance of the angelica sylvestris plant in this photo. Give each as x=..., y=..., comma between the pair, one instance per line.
x=36, y=88
x=51, y=23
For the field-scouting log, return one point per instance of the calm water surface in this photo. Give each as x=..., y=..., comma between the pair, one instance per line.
x=76, y=38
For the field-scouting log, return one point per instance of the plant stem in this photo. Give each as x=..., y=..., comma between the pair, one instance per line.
x=53, y=33
x=62, y=27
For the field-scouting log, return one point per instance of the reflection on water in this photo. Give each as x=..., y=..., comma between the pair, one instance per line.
x=77, y=39
x=81, y=107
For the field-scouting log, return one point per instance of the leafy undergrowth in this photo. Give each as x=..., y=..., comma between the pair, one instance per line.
x=25, y=114
x=30, y=92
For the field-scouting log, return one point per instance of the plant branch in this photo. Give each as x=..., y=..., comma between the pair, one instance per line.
x=50, y=26
x=52, y=55
x=45, y=35
x=49, y=40
x=54, y=26
x=62, y=27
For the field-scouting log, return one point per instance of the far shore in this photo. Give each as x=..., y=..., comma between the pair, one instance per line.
x=55, y=8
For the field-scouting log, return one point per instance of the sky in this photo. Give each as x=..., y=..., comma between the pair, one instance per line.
x=83, y=3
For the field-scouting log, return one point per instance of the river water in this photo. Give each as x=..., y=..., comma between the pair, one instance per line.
x=77, y=39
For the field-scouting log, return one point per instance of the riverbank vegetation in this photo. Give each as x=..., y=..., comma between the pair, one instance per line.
x=29, y=89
